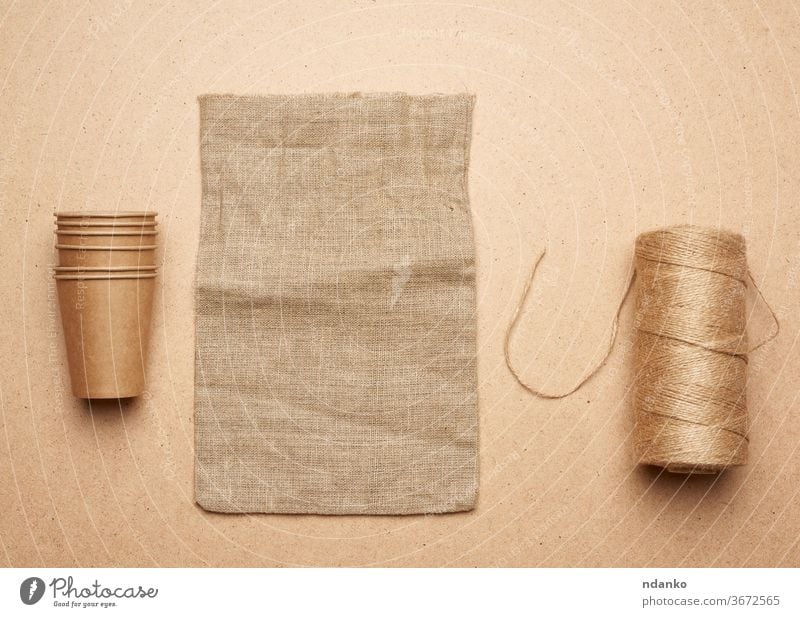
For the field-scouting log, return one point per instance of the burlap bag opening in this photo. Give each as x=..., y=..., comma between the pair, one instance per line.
x=335, y=299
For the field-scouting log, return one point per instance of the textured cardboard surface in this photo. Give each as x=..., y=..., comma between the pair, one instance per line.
x=591, y=124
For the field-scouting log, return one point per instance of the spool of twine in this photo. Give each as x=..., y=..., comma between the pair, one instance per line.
x=691, y=349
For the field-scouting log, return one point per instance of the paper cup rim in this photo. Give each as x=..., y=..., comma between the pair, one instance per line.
x=111, y=277
x=110, y=223
x=68, y=232
x=98, y=247
x=105, y=214
x=104, y=268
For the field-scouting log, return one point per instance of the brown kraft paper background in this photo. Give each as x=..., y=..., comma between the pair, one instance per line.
x=591, y=123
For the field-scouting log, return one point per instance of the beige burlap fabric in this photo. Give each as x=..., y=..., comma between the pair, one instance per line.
x=335, y=299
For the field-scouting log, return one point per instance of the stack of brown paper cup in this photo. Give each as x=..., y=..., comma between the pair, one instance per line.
x=105, y=279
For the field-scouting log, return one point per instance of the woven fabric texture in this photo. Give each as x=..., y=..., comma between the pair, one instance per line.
x=335, y=306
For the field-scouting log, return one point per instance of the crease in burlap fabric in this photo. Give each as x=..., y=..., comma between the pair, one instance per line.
x=335, y=306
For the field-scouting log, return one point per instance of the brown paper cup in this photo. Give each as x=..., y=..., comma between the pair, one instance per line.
x=106, y=238
x=106, y=322
x=87, y=256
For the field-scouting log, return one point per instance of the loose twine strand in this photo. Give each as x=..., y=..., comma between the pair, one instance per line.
x=691, y=348
x=515, y=321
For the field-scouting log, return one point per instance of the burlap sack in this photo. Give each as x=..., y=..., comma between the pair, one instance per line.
x=335, y=298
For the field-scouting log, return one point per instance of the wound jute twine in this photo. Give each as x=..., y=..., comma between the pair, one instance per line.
x=690, y=345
